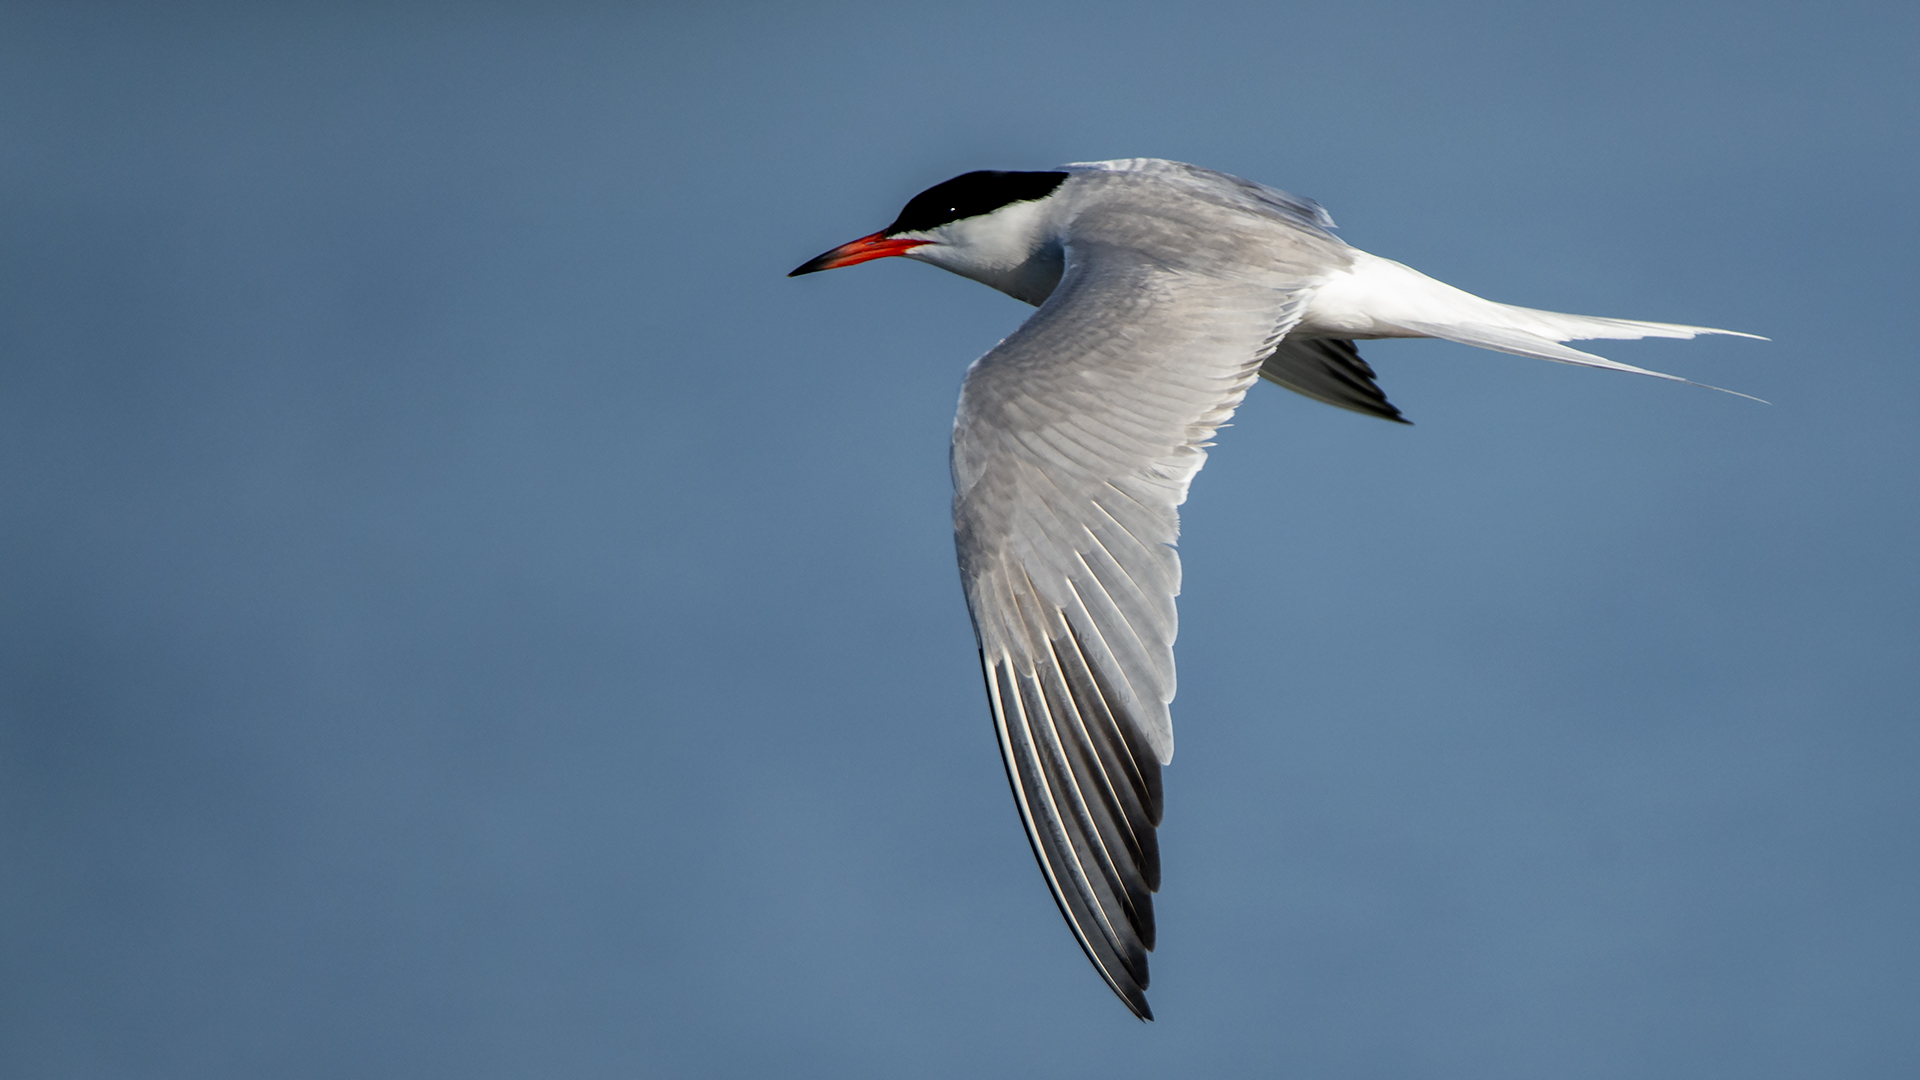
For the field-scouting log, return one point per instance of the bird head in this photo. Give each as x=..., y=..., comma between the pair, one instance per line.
x=988, y=226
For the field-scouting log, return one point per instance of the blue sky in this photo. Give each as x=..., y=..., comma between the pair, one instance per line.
x=467, y=614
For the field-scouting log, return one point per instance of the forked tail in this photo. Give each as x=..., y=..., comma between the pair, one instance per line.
x=1400, y=297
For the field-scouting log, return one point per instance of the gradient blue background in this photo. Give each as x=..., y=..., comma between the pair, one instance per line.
x=463, y=613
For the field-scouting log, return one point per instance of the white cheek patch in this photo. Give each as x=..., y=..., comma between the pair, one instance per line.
x=999, y=241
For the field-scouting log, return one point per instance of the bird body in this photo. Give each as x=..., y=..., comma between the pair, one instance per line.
x=1164, y=290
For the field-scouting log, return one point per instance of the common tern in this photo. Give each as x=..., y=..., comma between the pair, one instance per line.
x=1163, y=290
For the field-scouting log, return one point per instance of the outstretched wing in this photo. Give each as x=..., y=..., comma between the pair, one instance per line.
x=1073, y=449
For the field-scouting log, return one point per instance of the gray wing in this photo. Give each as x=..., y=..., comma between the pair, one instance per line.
x=1329, y=370
x=1074, y=445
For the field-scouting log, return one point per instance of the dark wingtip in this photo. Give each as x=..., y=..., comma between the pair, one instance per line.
x=1382, y=408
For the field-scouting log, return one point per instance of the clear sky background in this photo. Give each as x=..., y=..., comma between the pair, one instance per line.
x=464, y=613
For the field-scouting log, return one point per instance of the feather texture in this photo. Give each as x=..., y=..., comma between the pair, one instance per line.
x=1075, y=443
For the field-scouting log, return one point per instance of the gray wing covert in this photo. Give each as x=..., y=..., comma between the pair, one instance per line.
x=1074, y=446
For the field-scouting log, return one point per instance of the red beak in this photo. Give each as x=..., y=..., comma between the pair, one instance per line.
x=865, y=249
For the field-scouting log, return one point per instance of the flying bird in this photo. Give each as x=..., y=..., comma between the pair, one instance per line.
x=1163, y=290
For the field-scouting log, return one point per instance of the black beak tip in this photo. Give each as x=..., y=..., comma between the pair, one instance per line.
x=812, y=266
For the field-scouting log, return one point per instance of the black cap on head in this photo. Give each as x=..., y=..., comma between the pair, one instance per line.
x=970, y=195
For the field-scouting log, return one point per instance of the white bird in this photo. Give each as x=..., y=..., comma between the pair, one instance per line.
x=1164, y=289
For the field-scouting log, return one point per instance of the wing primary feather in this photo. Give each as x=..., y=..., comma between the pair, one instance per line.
x=1019, y=755
x=1128, y=660
x=1149, y=548
x=1120, y=769
x=1133, y=731
x=1098, y=804
x=1016, y=754
x=1133, y=751
x=1095, y=871
x=1141, y=621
